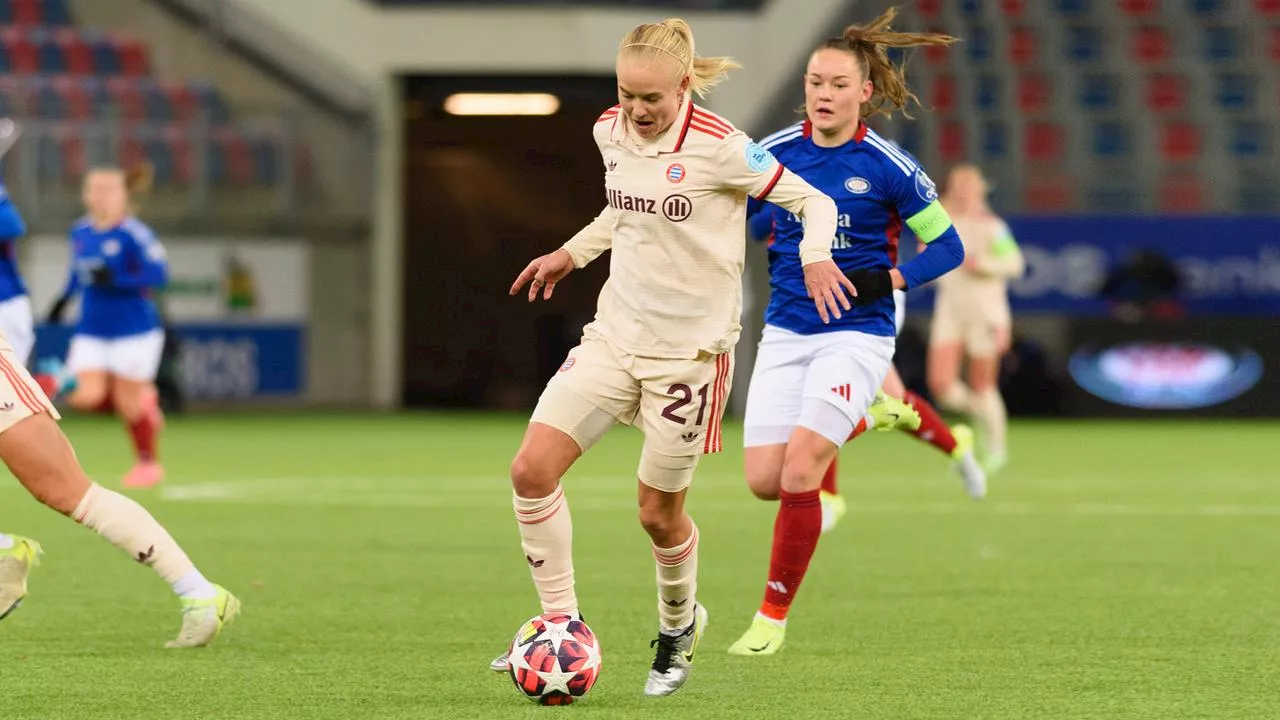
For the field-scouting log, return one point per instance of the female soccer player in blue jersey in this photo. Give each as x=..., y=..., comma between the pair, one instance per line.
x=813, y=383
x=117, y=264
x=15, y=306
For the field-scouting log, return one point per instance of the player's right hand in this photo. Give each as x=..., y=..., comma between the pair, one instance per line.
x=543, y=274
x=827, y=286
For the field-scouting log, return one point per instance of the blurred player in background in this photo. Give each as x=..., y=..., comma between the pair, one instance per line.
x=15, y=307
x=117, y=263
x=38, y=454
x=971, y=315
x=957, y=443
x=813, y=384
x=659, y=354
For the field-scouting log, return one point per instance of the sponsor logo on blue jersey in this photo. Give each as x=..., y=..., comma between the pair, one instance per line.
x=925, y=188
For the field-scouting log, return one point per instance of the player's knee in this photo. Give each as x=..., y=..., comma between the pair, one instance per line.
x=764, y=482
x=808, y=455
x=87, y=397
x=661, y=520
x=531, y=478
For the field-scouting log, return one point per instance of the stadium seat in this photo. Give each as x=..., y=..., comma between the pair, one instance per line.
x=159, y=153
x=27, y=12
x=1072, y=7
x=1181, y=192
x=1267, y=7
x=100, y=103
x=1149, y=44
x=929, y=8
x=1221, y=43
x=970, y=9
x=55, y=12
x=1099, y=91
x=75, y=161
x=106, y=61
x=78, y=54
x=53, y=59
x=6, y=12
x=1180, y=141
x=1048, y=190
x=48, y=103
x=178, y=139
x=1257, y=192
x=1084, y=43
x=266, y=160
x=49, y=154
x=156, y=102
x=1111, y=139
x=1273, y=45
x=1205, y=7
x=1139, y=8
x=209, y=100
x=78, y=103
x=942, y=97
x=995, y=139
x=978, y=43
x=6, y=105
x=986, y=91
x=1235, y=91
x=133, y=56
x=1012, y=8
x=1166, y=92
x=181, y=100
x=24, y=57
x=1111, y=193
x=1042, y=141
x=1023, y=45
x=952, y=142
x=126, y=99
x=936, y=54
x=6, y=65
x=1250, y=139
x=1034, y=93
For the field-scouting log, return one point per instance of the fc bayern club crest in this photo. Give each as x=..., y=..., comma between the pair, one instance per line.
x=675, y=172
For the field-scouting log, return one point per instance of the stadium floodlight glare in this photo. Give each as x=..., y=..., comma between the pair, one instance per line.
x=501, y=104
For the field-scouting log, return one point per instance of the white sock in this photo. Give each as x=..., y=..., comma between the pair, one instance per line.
x=193, y=586
x=957, y=398
x=546, y=535
x=677, y=583
x=6, y=541
x=988, y=408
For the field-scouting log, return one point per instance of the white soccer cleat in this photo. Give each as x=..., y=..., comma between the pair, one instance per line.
x=674, y=659
x=833, y=509
x=203, y=620
x=15, y=564
x=502, y=663
x=966, y=463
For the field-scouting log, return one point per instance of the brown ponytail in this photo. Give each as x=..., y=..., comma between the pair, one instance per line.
x=138, y=179
x=868, y=44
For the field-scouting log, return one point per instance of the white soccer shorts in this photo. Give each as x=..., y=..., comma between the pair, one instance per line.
x=18, y=327
x=793, y=371
x=134, y=357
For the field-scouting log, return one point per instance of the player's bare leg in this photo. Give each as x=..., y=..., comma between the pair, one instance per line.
x=38, y=454
x=546, y=527
x=943, y=377
x=92, y=392
x=138, y=404
x=988, y=409
x=674, y=538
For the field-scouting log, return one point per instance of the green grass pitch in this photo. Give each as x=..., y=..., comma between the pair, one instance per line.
x=1118, y=570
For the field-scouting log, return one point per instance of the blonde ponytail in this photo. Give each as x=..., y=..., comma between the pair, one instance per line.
x=673, y=38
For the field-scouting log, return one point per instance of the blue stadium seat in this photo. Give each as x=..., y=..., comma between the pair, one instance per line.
x=1236, y=91
x=1084, y=43
x=987, y=91
x=1222, y=44
x=49, y=103
x=971, y=8
x=1114, y=194
x=1099, y=91
x=155, y=102
x=6, y=64
x=1205, y=7
x=55, y=12
x=160, y=155
x=995, y=139
x=49, y=153
x=266, y=161
x=105, y=59
x=52, y=57
x=1250, y=139
x=99, y=97
x=1258, y=193
x=1111, y=139
x=215, y=162
x=6, y=12
x=209, y=100
x=1072, y=7
x=6, y=107
x=978, y=44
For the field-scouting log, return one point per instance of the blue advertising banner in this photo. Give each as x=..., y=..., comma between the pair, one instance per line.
x=221, y=361
x=1227, y=266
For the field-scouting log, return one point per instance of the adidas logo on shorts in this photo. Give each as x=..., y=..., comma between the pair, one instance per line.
x=689, y=436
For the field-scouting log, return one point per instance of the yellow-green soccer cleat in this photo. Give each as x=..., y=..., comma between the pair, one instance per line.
x=764, y=637
x=15, y=563
x=890, y=413
x=833, y=508
x=966, y=464
x=202, y=620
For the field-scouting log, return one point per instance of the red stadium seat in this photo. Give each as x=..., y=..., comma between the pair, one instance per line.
x=178, y=139
x=78, y=103
x=79, y=56
x=74, y=160
x=929, y=8
x=1149, y=44
x=24, y=56
x=1182, y=192
x=1042, y=141
x=1048, y=191
x=133, y=56
x=936, y=54
x=126, y=97
x=1012, y=8
x=181, y=99
x=1273, y=46
x=952, y=142
x=1023, y=45
x=1267, y=7
x=27, y=12
x=1166, y=92
x=1034, y=93
x=1139, y=8
x=942, y=96
x=1180, y=141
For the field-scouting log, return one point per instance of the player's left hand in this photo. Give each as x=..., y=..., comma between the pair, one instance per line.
x=827, y=286
x=543, y=273
x=101, y=276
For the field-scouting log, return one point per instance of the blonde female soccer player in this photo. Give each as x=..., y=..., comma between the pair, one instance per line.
x=971, y=315
x=813, y=384
x=117, y=264
x=659, y=354
x=38, y=454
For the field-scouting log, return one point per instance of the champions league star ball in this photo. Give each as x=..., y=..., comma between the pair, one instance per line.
x=555, y=659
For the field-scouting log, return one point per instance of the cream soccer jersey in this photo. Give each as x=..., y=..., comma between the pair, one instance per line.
x=981, y=292
x=675, y=221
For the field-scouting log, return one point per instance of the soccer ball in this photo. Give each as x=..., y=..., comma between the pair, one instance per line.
x=555, y=659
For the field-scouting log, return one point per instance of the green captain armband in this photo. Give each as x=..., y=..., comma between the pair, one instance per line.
x=930, y=222
x=1004, y=245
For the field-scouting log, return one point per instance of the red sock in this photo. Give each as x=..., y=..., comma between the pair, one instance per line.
x=144, y=431
x=795, y=537
x=829, y=480
x=48, y=384
x=932, y=429
x=107, y=406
